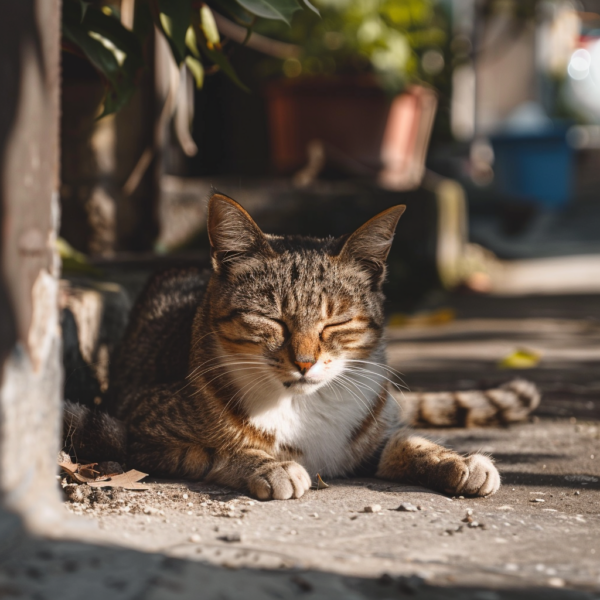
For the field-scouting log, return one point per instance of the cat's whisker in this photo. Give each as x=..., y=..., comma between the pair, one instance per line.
x=199, y=390
x=340, y=378
x=330, y=385
x=396, y=381
x=257, y=383
x=362, y=373
x=228, y=364
x=221, y=358
x=367, y=373
x=396, y=385
x=395, y=372
x=252, y=385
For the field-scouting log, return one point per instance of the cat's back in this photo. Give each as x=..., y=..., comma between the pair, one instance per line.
x=156, y=345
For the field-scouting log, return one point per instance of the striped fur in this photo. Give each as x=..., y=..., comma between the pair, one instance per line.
x=509, y=403
x=272, y=368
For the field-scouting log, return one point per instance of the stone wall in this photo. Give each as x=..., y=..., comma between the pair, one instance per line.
x=30, y=402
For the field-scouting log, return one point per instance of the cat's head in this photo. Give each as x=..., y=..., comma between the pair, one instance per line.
x=302, y=308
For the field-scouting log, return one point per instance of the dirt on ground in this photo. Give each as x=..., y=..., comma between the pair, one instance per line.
x=540, y=528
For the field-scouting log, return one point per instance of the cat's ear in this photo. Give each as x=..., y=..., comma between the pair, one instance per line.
x=232, y=233
x=371, y=243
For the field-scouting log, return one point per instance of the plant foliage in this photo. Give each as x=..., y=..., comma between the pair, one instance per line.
x=95, y=32
x=397, y=40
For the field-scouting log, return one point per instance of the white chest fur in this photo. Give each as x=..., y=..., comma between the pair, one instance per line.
x=320, y=425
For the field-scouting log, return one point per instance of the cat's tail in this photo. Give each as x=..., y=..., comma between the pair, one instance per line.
x=93, y=435
x=509, y=403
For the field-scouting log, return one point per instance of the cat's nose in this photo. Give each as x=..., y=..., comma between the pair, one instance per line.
x=304, y=366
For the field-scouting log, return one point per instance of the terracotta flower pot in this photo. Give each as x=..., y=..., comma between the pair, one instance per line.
x=359, y=126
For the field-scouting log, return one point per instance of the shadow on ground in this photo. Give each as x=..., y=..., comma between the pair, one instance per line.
x=45, y=570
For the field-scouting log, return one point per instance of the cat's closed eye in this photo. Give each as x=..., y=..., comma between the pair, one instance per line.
x=335, y=328
x=269, y=328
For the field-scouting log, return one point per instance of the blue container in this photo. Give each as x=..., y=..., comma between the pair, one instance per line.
x=536, y=166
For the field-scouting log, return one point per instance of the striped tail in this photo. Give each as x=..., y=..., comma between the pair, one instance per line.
x=93, y=435
x=509, y=403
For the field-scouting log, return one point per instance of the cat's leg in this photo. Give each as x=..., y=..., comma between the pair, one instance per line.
x=163, y=457
x=408, y=457
x=263, y=476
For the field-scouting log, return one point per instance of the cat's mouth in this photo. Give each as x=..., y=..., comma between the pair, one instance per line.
x=301, y=382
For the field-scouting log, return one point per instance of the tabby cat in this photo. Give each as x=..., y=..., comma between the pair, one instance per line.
x=271, y=369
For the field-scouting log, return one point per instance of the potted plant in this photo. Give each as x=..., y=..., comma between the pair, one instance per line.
x=362, y=83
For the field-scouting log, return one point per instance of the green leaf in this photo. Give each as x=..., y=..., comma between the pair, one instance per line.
x=84, y=7
x=215, y=56
x=233, y=10
x=196, y=69
x=209, y=26
x=280, y=10
x=312, y=7
x=114, y=51
x=111, y=29
x=174, y=21
x=222, y=61
x=191, y=43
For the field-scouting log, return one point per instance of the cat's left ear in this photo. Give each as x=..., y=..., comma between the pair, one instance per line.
x=371, y=243
x=232, y=233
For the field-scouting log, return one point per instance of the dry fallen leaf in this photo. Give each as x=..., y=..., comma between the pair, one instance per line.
x=77, y=472
x=320, y=485
x=87, y=474
x=128, y=481
x=88, y=471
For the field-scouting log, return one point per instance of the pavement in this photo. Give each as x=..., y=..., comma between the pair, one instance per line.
x=538, y=537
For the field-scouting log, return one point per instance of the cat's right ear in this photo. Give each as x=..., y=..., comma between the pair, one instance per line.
x=232, y=233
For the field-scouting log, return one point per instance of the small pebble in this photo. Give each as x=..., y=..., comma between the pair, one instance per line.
x=577, y=493
x=557, y=582
x=537, y=500
x=373, y=508
x=185, y=496
x=315, y=515
x=190, y=513
x=195, y=538
x=407, y=507
x=469, y=512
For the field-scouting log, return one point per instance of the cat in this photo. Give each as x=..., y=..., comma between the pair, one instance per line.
x=272, y=369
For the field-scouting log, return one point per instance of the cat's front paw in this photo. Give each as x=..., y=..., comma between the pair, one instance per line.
x=473, y=475
x=279, y=481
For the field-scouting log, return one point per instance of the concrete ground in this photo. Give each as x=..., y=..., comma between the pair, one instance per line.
x=538, y=537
